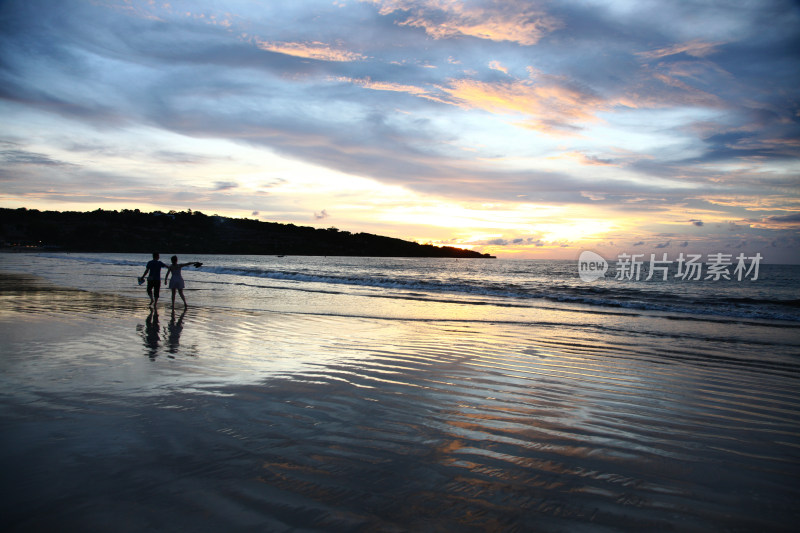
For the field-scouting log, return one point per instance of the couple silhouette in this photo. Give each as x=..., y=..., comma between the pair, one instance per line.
x=152, y=273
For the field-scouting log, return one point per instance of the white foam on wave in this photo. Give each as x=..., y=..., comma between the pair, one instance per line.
x=412, y=284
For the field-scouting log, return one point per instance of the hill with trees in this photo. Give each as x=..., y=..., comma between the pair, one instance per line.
x=190, y=231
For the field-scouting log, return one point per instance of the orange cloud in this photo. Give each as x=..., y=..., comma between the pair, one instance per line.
x=368, y=83
x=413, y=90
x=551, y=108
x=450, y=18
x=311, y=50
x=755, y=203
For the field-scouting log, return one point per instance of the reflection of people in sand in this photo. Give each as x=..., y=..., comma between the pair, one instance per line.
x=177, y=279
x=154, y=278
x=152, y=333
x=174, y=329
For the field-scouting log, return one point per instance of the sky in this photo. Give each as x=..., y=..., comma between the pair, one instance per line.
x=523, y=129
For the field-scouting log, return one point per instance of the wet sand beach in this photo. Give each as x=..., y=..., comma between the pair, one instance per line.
x=214, y=419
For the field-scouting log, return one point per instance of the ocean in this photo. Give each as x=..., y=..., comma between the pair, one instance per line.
x=249, y=282
x=394, y=394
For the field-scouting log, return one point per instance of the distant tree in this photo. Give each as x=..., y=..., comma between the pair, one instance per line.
x=195, y=232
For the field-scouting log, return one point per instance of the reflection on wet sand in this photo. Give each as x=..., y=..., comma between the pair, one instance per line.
x=153, y=334
x=174, y=330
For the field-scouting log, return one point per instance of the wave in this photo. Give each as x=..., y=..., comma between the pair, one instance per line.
x=496, y=289
x=633, y=299
x=105, y=260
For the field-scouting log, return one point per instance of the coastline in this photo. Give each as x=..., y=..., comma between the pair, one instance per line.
x=224, y=419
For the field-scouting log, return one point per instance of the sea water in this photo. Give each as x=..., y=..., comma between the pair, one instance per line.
x=496, y=291
x=250, y=282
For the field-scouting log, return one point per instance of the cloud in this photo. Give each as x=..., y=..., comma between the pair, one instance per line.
x=695, y=48
x=585, y=159
x=546, y=105
x=225, y=185
x=663, y=245
x=321, y=215
x=367, y=83
x=793, y=218
x=13, y=153
x=495, y=21
x=509, y=242
x=495, y=65
x=640, y=243
x=733, y=226
x=791, y=221
x=24, y=157
x=593, y=196
x=310, y=50
x=697, y=222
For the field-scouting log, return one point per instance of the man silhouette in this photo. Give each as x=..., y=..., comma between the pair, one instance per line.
x=154, y=279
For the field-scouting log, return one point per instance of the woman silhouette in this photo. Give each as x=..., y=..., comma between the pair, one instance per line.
x=177, y=279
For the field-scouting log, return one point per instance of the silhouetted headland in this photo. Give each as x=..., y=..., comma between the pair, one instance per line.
x=194, y=232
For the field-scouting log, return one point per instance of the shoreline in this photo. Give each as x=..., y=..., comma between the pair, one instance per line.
x=264, y=281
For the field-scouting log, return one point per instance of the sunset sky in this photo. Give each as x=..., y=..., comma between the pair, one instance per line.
x=523, y=129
